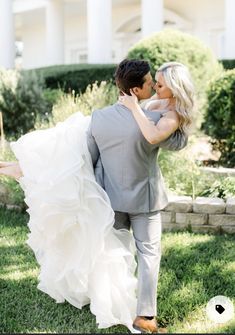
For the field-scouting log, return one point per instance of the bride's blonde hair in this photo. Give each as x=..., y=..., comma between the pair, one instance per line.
x=178, y=80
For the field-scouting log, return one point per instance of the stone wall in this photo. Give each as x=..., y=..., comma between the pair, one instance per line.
x=202, y=215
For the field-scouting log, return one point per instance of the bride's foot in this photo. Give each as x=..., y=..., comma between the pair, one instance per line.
x=11, y=169
x=6, y=164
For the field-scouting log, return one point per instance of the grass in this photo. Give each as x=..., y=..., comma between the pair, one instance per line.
x=194, y=268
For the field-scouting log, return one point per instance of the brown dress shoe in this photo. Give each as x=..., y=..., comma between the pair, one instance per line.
x=162, y=330
x=144, y=325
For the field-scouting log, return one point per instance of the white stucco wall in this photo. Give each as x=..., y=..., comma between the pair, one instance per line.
x=207, y=17
x=34, y=53
x=202, y=18
x=75, y=38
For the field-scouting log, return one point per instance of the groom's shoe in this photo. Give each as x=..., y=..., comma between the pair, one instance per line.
x=144, y=325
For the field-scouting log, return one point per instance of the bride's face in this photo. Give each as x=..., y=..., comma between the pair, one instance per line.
x=160, y=87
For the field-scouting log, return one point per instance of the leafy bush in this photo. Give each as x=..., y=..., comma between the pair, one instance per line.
x=9, y=78
x=96, y=96
x=22, y=100
x=180, y=172
x=220, y=116
x=172, y=45
x=221, y=188
x=75, y=76
x=51, y=96
x=183, y=176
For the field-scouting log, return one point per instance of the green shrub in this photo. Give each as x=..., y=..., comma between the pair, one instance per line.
x=51, y=96
x=75, y=76
x=172, y=45
x=188, y=179
x=222, y=188
x=228, y=64
x=95, y=97
x=220, y=116
x=180, y=172
x=22, y=100
x=183, y=176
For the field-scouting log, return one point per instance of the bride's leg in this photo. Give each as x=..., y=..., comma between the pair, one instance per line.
x=11, y=169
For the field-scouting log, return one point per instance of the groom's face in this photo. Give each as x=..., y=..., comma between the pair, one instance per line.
x=146, y=91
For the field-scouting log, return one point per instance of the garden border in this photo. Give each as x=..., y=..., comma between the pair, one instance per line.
x=202, y=215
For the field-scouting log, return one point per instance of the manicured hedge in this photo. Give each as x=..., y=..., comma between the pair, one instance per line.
x=220, y=116
x=228, y=64
x=75, y=76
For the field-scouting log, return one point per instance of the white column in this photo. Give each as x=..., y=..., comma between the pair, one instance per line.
x=99, y=31
x=7, y=40
x=55, y=32
x=230, y=29
x=151, y=16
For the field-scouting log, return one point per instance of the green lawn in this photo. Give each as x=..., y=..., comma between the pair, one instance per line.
x=194, y=268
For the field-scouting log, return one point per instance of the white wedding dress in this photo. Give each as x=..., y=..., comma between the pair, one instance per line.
x=82, y=258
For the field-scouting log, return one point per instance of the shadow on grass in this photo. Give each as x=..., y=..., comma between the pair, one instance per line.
x=228, y=329
x=23, y=308
x=12, y=218
x=191, y=274
x=28, y=310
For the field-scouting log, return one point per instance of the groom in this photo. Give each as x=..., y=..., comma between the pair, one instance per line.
x=126, y=167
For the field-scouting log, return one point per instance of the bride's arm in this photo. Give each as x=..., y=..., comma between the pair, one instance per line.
x=154, y=134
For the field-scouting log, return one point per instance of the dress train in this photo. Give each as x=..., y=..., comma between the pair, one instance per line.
x=82, y=258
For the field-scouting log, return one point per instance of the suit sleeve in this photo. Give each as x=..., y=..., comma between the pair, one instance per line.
x=175, y=141
x=92, y=145
x=99, y=173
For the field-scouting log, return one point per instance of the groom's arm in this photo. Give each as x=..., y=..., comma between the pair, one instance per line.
x=175, y=141
x=92, y=146
x=95, y=157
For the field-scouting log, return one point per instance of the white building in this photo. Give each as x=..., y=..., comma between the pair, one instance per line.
x=101, y=31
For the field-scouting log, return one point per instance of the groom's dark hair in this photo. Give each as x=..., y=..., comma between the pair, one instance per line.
x=130, y=73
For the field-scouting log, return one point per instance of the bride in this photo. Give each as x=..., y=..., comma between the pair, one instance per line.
x=82, y=258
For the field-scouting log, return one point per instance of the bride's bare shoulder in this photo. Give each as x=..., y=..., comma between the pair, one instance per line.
x=153, y=105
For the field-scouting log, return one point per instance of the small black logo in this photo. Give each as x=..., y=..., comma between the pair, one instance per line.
x=219, y=308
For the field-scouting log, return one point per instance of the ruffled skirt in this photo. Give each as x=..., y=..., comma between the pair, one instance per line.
x=82, y=258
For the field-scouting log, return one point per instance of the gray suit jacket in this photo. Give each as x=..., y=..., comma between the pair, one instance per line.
x=125, y=163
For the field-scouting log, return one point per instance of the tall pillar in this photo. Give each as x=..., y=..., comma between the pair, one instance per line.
x=151, y=16
x=229, y=29
x=55, y=32
x=99, y=30
x=7, y=39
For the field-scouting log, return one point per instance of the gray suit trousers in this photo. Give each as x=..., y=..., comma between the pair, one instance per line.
x=147, y=229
